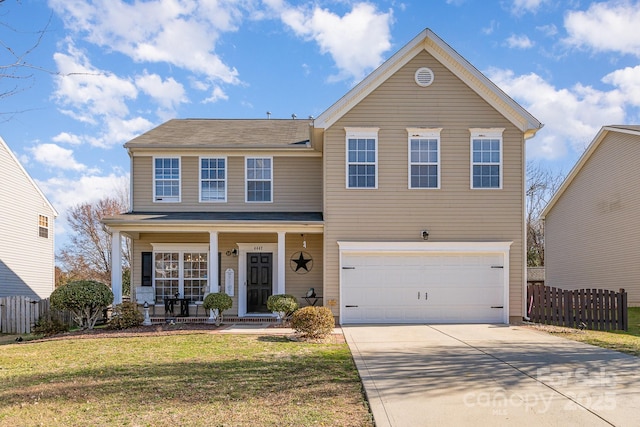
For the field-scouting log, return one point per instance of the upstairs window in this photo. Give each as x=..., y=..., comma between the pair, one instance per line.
x=259, y=179
x=424, y=158
x=213, y=179
x=43, y=226
x=362, y=157
x=166, y=179
x=486, y=158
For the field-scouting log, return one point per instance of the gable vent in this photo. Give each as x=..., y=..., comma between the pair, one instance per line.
x=424, y=76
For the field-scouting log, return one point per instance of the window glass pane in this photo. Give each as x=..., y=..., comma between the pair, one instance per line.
x=213, y=180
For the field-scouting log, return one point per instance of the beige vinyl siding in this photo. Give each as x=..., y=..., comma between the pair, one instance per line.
x=26, y=260
x=593, y=230
x=395, y=213
x=295, y=284
x=297, y=186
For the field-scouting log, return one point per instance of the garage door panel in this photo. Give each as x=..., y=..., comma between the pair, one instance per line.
x=412, y=288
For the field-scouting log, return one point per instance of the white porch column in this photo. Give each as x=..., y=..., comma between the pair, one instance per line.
x=116, y=266
x=281, y=263
x=214, y=286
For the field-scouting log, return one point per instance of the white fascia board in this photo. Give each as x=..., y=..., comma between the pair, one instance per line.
x=425, y=247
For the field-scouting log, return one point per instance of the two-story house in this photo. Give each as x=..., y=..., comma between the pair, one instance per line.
x=26, y=232
x=402, y=202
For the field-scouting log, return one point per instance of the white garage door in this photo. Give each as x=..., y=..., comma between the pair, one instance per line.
x=410, y=287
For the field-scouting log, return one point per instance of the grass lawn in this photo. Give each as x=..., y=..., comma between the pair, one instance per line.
x=180, y=380
x=623, y=341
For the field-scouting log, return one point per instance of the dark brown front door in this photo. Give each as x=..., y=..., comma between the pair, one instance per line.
x=259, y=283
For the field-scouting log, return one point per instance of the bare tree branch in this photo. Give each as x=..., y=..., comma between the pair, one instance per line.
x=540, y=188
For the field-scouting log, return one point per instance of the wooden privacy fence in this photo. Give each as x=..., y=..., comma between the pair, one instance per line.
x=598, y=309
x=19, y=313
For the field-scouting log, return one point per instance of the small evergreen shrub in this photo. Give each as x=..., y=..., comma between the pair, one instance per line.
x=47, y=326
x=313, y=322
x=85, y=299
x=282, y=303
x=217, y=301
x=125, y=315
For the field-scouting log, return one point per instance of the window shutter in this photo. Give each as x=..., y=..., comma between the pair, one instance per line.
x=147, y=268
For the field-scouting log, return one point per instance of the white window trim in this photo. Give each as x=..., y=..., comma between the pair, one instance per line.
x=423, y=133
x=358, y=132
x=181, y=249
x=495, y=133
x=153, y=171
x=48, y=227
x=246, y=180
x=226, y=184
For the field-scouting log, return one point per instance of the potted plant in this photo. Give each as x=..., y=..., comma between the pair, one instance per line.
x=218, y=302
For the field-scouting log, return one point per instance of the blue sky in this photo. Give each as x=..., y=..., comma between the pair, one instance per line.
x=105, y=71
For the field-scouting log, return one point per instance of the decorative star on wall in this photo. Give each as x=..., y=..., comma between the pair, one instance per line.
x=301, y=262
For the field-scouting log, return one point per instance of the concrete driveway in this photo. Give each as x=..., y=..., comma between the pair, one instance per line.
x=498, y=375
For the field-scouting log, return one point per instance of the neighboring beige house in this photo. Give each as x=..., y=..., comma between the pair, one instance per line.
x=401, y=203
x=592, y=223
x=26, y=232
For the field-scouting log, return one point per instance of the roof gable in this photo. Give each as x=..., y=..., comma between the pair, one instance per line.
x=593, y=146
x=429, y=41
x=22, y=170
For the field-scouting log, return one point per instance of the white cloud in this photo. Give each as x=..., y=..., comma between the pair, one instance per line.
x=168, y=35
x=520, y=7
x=609, y=26
x=54, y=156
x=355, y=41
x=217, y=94
x=65, y=193
x=167, y=93
x=67, y=138
x=549, y=30
x=628, y=80
x=572, y=116
x=493, y=25
x=519, y=42
x=118, y=131
x=89, y=91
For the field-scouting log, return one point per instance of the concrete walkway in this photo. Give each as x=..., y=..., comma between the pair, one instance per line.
x=498, y=375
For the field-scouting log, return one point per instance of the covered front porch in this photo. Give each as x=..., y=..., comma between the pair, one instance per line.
x=177, y=261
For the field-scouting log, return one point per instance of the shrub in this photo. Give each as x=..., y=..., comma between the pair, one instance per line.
x=282, y=303
x=125, y=315
x=313, y=322
x=217, y=301
x=48, y=326
x=85, y=299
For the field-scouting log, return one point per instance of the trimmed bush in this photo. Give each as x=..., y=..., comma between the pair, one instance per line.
x=85, y=299
x=217, y=301
x=125, y=315
x=48, y=326
x=313, y=322
x=283, y=304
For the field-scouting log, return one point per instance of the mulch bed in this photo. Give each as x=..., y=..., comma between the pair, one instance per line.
x=175, y=329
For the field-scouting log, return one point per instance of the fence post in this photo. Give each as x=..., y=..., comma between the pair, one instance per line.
x=622, y=310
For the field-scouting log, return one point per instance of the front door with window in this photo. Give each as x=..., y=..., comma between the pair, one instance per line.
x=259, y=281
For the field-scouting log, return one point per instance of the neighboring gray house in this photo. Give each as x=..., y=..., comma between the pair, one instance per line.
x=26, y=230
x=592, y=223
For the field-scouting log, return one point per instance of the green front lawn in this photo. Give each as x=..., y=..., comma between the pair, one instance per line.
x=186, y=380
x=623, y=341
